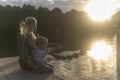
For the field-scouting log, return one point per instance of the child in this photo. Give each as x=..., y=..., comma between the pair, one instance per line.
x=41, y=49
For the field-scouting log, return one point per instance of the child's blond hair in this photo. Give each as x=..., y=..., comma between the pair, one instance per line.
x=41, y=42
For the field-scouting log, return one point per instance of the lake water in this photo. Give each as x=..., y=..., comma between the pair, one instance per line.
x=86, y=68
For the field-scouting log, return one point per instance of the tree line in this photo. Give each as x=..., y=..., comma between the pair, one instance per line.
x=73, y=29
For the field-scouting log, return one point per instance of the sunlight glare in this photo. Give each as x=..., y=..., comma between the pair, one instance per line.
x=100, y=51
x=101, y=10
x=51, y=1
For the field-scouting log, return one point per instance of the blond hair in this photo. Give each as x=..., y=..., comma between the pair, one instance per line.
x=41, y=41
x=31, y=22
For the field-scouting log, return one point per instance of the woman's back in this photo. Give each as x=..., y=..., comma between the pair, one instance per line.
x=26, y=51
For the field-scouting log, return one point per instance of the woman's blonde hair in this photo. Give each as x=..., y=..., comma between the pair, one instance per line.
x=31, y=22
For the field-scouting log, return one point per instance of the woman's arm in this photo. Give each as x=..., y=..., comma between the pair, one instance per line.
x=33, y=35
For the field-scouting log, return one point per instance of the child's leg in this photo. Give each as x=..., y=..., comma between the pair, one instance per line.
x=43, y=56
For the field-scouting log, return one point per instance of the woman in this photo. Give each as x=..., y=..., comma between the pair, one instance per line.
x=26, y=46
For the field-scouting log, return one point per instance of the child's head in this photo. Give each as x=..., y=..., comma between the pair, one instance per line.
x=41, y=42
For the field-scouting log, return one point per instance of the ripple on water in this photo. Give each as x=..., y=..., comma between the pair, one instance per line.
x=86, y=68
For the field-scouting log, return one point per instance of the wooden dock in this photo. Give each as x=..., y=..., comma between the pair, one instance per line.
x=10, y=70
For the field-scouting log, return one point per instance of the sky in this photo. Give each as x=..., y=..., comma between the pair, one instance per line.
x=96, y=7
x=65, y=5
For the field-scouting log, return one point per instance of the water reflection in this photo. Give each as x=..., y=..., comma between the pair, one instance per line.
x=86, y=68
x=100, y=50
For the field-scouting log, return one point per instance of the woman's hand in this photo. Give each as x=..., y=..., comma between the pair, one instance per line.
x=22, y=23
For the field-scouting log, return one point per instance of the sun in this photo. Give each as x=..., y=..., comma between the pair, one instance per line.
x=100, y=51
x=100, y=10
